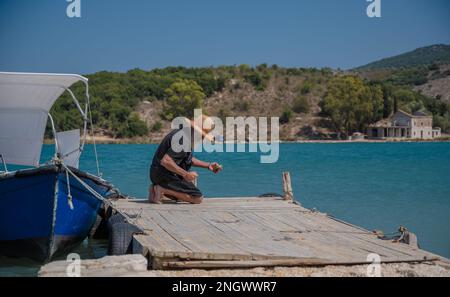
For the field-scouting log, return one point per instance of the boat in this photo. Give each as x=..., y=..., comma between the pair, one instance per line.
x=45, y=209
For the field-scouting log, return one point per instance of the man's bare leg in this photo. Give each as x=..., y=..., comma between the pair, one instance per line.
x=151, y=193
x=154, y=196
x=178, y=195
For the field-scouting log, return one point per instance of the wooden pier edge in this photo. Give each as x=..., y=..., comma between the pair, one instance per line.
x=305, y=262
x=249, y=232
x=167, y=260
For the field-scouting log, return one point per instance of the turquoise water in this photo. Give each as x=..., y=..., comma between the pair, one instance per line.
x=89, y=249
x=374, y=185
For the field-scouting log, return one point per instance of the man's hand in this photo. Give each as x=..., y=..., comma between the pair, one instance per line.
x=190, y=176
x=215, y=167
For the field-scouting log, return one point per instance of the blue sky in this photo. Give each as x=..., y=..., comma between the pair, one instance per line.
x=117, y=35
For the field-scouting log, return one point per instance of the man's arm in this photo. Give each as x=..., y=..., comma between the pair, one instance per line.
x=168, y=163
x=214, y=167
x=199, y=163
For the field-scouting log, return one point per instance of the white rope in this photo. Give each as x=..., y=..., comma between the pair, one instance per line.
x=70, y=153
x=69, y=193
x=89, y=188
x=94, y=193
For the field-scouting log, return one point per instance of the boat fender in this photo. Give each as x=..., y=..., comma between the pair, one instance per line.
x=114, y=219
x=120, y=238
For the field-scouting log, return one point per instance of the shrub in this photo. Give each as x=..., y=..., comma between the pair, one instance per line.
x=256, y=80
x=137, y=127
x=442, y=122
x=241, y=105
x=301, y=104
x=157, y=126
x=306, y=88
x=286, y=116
x=183, y=96
x=433, y=67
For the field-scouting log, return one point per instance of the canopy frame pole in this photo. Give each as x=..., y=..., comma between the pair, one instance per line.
x=85, y=120
x=87, y=117
x=88, y=111
x=76, y=103
x=54, y=135
x=4, y=163
x=86, y=103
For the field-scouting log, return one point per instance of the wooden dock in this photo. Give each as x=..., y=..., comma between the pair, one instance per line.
x=250, y=232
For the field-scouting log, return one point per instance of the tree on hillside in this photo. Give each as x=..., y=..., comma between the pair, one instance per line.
x=301, y=104
x=136, y=126
x=351, y=105
x=183, y=96
x=408, y=100
x=389, y=101
x=373, y=98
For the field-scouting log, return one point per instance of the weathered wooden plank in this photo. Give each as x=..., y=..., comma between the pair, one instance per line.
x=252, y=231
x=336, y=233
x=317, y=232
x=302, y=236
x=220, y=223
x=193, y=240
x=247, y=236
x=270, y=263
x=369, y=240
x=275, y=242
x=205, y=235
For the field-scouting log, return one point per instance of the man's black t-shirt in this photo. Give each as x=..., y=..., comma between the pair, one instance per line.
x=169, y=180
x=183, y=159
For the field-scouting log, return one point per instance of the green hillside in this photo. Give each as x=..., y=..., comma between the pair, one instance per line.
x=311, y=103
x=434, y=54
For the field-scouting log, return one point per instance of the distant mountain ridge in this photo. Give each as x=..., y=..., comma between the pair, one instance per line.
x=434, y=54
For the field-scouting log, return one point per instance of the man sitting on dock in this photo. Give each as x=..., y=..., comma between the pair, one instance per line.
x=170, y=173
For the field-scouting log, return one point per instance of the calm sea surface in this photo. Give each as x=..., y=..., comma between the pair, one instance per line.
x=374, y=185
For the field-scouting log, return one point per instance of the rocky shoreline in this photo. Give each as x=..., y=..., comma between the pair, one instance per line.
x=146, y=140
x=136, y=266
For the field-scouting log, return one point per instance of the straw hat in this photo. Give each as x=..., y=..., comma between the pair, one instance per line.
x=207, y=125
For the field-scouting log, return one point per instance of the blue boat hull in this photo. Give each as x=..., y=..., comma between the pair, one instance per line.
x=37, y=220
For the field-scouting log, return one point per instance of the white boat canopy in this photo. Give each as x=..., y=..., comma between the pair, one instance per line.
x=25, y=102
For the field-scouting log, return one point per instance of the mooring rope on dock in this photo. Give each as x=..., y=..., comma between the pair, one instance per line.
x=93, y=192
